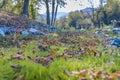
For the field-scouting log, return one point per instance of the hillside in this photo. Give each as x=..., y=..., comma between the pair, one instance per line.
x=11, y=23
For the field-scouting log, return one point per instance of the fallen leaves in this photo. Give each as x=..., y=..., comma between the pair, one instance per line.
x=81, y=44
x=11, y=19
x=43, y=48
x=76, y=46
x=23, y=47
x=53, y=51
x=82, y=73
x=18, y=56
x=43, y=60
x=94, y=74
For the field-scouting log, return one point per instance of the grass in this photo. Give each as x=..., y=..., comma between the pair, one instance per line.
x=56, y=69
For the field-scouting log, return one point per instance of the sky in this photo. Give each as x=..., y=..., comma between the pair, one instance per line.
x=72, y=5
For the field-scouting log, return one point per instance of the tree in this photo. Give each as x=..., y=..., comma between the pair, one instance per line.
x=72, y=18
x=55, y=5
x=62, y=22
x=47, y=11
x=18, y=7
x=91, y=2
x=6, y=5
x=59, y=3
x=100, y=13
x=112, y=11
x=91, y=5
x=3, y=5
x=34, y=5
x=53, y=11
x=25, y=8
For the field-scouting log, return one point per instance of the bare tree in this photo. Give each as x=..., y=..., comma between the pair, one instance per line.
x=91, y=2
x=55, y=4
x=59, y=3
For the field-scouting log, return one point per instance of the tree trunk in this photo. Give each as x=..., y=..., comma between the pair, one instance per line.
x=47, y=12
x=93, y=11
x=25, y=8
x=101, y=10
x=56, y=10
x=4, y=3
x=93, y=15
x=98, y=20
x=105, y=17
x=53, y=11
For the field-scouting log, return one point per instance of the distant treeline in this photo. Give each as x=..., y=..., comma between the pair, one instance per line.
x=103, y=15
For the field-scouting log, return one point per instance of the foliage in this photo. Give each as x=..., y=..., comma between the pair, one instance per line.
x=75, y=19
x=62, y=22
x=16, y=6
x=104, y=14
x=112, y=10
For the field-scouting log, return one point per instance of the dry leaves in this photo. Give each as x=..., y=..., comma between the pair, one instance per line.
x=94, y=74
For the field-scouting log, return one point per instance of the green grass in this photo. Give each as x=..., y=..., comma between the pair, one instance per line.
x=56, y=69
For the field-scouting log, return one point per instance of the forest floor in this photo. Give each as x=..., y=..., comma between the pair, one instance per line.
x=10, y=20
x=68, y=56
x=81, y=55
x=12, y=23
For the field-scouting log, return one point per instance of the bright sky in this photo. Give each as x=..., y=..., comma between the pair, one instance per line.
x=72, y=5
